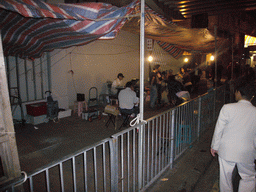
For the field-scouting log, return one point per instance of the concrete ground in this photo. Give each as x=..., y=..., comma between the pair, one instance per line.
x=195, y=171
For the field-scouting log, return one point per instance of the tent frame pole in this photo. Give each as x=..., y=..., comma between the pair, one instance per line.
x=215, y=57
x=141, y=128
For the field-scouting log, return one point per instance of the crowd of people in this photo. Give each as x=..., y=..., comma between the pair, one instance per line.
x=170, y=89
x=167, y=88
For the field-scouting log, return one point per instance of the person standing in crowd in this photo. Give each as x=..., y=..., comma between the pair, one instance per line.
x=179, y=76
x=155, y=83
x=187, y=81
x=195, y=78
x=234, y=140
x=164, y=91
x=118, y=82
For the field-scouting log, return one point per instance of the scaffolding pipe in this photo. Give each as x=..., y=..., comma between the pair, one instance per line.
x=18, y=88
x=49, y=70
x=232, y=64
x=215, y=57
x=26, y=77
x=215, y=79
x=8, y=73
x=141, y=128
x=41, y=73
x=34, y=80
x=142, y=42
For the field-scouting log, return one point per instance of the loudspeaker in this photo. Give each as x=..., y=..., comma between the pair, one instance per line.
x=80, y=97
x=199, y=20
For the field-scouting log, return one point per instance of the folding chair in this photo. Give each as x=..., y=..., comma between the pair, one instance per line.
x=112, y=112
x=126, y=116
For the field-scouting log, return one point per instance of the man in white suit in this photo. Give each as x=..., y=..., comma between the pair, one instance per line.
x=234, y=141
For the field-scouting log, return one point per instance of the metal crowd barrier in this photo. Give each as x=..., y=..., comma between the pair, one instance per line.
x=132, y=159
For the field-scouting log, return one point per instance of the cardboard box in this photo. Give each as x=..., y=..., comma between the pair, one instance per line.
x=35, y=120
x=86, y=115
x=36, y=109
x=65, y=113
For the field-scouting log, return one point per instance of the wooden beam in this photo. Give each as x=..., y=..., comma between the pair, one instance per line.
x=8, y=147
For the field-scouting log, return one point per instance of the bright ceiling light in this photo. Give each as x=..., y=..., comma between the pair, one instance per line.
x=150, y=58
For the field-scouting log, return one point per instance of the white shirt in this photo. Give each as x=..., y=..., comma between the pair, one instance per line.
x=127, y=98
x=116, y=83
x=235, y=132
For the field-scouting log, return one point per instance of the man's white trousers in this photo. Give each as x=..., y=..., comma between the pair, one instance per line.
x=246, y=172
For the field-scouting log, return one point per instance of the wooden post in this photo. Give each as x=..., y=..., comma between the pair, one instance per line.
x=8, y=148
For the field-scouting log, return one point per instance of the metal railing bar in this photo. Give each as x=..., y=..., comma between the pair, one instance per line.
x=127, y=130
x=148, y=154
x=74, y=172
x=85, y=172
x=143, y=156
x=122, y=162
x=134, y=160
x=128, y=161
x=61, y=177
x=31, y=184
x=167, y=138
x=152, y=143
x=199, y=116
x=157, y=147
x=163, y=139
x=172, y=137
x=95, y=169
x=104, y=167
x=47, y=180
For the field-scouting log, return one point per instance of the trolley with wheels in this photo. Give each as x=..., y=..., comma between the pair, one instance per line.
x=93, y=111
x=52, y=108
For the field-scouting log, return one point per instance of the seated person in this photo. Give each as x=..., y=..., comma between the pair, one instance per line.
x=128, y=100
x=174, y=87
x=118, y=82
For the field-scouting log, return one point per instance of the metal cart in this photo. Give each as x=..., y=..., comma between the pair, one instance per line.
x=52, y=108
x=93, y=105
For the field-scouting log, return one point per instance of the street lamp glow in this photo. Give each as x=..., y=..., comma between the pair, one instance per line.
x=212, y=58
x=150, y=58
x=186, y=60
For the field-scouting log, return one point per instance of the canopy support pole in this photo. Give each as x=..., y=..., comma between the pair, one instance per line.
x=8, y=148
x=141, y=130
x=142, y=42
x=232, y=64
x=215, y=57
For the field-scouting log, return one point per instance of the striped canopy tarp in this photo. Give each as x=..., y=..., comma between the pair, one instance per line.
x=31, y=27
x=171, y=49
x=173, y=38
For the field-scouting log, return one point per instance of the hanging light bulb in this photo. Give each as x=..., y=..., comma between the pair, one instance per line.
x=150, y=58
x=186, y=60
